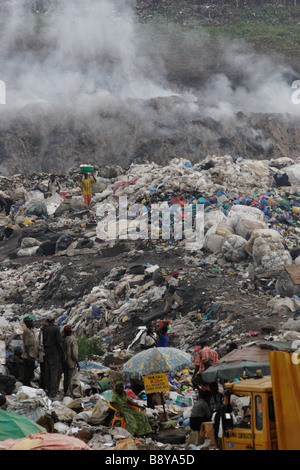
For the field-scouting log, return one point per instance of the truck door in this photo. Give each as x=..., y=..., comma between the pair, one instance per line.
x=241, y=436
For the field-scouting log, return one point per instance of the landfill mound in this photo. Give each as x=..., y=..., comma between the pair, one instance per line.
x=241, y=285
x=39, y=141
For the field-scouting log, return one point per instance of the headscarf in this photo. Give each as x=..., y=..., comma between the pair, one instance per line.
x=118, y=382
x=27, y=319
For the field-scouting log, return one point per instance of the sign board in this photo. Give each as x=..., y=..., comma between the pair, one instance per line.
x=156, y=383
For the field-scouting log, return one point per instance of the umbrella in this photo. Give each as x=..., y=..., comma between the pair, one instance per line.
x=246, y=360
x=156, y=361
x=16, y=426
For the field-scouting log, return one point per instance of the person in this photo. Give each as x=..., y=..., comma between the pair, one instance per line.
x=70, y=364
x=231, y=347
x=204, y=352
x=216, y=406
x=163, y=340
x=86, y=184
x=54, y=356
x=15, y=364
x=149, y=338
x=5, y=204
x=7, y=381
x=30, y=350
x=171, y=294
x=197, y=379
x=53, y=185
x=200, y=413
x=41, y=356
x=3, y=402
x=137, y=423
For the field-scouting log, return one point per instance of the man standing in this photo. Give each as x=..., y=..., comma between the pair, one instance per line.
x=149, y=340
x=171, y=294
x=30, y=351
x=54, y=355
x=70, y=364
x=86, y=183
x=149, y=337
x=204, y=354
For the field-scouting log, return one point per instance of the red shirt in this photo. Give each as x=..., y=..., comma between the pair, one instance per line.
x=205, y=353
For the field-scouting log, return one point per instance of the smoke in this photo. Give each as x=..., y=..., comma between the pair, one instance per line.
x=93, y=61
x=83, y=55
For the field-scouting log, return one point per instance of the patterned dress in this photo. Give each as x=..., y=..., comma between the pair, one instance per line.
x=135, y=420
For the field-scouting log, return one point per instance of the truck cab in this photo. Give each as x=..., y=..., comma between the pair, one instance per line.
x=250, y=422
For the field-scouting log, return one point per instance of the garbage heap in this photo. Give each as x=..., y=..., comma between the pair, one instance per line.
x=251, y=226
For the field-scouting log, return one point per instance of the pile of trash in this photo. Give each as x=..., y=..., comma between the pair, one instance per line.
x=53, y=261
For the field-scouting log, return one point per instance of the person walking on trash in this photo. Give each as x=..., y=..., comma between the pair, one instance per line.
x=86, y=184
x=171, y=294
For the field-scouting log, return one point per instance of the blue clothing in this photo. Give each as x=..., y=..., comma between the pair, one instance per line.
x=162, y=341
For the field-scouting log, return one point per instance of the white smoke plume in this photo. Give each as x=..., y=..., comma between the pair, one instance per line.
x=83, y=55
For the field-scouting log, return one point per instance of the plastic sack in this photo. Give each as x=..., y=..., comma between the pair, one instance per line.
x=100, y=412
x=37, y=208
x=214, y=217
x=285, y=287
x=27, y=251
x=293, y=173
x=29, y=242
x=233, y=248
x=270, y=254
x=267, y=234
x=246, y=226
x=214, y=237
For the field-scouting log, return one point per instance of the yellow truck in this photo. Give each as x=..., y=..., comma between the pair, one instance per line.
x=267, y=409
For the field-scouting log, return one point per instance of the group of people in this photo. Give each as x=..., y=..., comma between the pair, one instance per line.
x=55, y=352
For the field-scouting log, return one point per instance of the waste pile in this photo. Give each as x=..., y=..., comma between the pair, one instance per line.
x=243, y=282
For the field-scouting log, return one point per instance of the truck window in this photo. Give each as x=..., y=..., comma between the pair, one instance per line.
x=258, y=413
x=242, y=411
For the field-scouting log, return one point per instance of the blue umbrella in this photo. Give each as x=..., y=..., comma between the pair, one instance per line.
x=156, y=361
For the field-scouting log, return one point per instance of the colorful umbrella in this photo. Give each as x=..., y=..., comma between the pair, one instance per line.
x=13, y=425
x=156, y=361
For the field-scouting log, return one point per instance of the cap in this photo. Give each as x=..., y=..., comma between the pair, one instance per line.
x=175, y=272
x=67, y=328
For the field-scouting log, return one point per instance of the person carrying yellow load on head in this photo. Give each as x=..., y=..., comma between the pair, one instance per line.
x=86, y=183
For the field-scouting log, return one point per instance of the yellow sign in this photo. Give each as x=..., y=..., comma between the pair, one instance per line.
x=156, y=383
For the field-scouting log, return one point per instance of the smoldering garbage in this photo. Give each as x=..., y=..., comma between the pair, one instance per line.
x=54, y=260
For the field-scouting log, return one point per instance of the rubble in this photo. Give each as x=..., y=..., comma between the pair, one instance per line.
x=243, y=282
